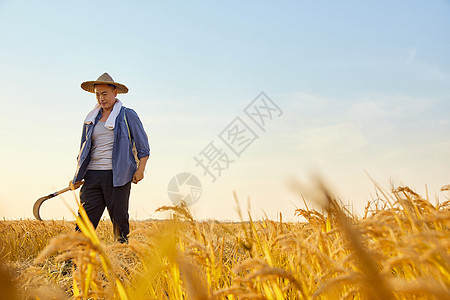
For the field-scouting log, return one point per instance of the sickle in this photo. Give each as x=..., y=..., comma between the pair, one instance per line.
x=38, y=203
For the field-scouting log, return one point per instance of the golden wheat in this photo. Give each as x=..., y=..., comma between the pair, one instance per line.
x=399, y=249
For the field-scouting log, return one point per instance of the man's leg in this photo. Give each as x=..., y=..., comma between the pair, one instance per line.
x=117, y=200
x=92, y=197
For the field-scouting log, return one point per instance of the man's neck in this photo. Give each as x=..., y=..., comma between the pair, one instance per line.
x=105, y=114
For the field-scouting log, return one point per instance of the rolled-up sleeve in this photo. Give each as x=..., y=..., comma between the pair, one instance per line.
x=138, y=134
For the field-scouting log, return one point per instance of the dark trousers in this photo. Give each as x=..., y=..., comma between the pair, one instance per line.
x=97, y=193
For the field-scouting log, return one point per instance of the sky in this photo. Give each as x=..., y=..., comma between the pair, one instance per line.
x=353, y=90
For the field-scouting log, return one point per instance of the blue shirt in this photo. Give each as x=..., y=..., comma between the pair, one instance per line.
x=123, y=161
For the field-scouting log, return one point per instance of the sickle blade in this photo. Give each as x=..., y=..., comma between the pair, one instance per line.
x=38, y=203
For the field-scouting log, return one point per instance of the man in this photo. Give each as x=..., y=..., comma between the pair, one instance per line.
x=106, y=160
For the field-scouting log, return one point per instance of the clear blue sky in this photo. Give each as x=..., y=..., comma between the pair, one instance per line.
x=363, y=85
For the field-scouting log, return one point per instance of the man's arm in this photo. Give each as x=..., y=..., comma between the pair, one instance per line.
x=140, y=139
x=138, y=134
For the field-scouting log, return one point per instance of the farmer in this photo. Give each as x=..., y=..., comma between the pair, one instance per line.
x=112, y=137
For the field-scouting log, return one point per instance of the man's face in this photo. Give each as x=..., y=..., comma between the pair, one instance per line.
x=106, y=96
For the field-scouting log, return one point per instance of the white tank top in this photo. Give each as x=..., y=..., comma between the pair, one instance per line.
x=102, y=146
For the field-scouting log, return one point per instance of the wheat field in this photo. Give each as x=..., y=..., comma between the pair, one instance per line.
x=398, y=249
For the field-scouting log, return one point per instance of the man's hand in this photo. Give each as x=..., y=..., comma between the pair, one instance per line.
x=138, y=175
x=76, y=185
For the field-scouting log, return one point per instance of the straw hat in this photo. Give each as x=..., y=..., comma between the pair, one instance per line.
x=104, y=79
